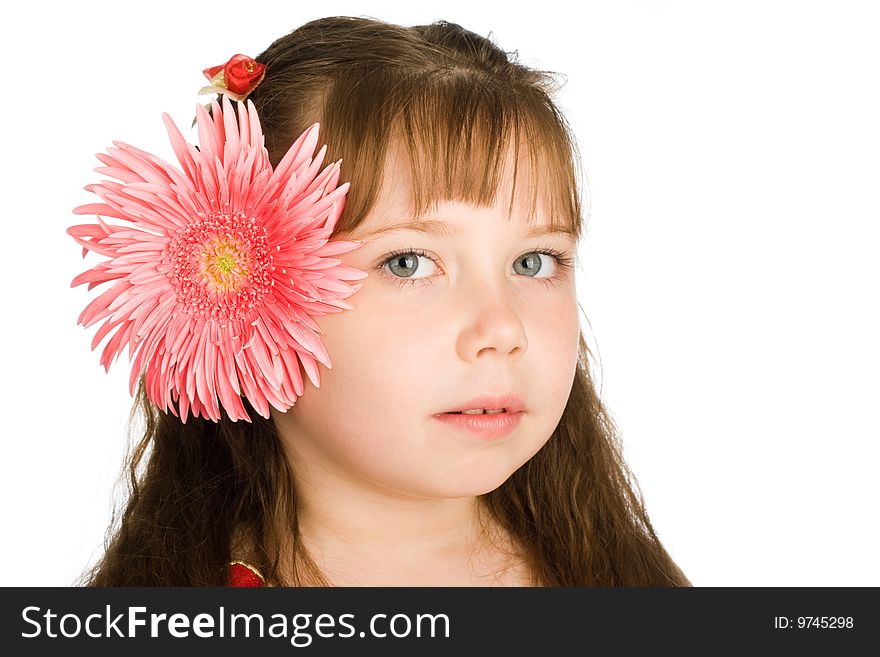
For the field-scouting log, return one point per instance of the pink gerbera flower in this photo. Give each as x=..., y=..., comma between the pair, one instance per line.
x=217, y=268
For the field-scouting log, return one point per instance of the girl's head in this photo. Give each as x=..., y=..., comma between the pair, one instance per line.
x=437, y=128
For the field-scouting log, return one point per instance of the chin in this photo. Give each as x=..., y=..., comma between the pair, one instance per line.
x=475, y=485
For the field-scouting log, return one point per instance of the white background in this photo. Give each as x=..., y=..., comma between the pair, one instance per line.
x=729, y=271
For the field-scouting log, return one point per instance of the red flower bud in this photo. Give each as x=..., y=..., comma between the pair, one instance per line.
x=240, y=75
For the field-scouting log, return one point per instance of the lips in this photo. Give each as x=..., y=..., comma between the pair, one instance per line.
x=492, y=426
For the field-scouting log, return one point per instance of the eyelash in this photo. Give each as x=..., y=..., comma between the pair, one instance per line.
x=563, y=264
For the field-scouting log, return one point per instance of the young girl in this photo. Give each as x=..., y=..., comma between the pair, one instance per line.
x=457, y=439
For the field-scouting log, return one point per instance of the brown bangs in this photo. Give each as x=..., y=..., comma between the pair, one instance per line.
x=461, y=130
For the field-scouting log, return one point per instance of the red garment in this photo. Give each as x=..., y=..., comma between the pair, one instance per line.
x=241, y=574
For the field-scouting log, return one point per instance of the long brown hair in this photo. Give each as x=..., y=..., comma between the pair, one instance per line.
x=203, y=493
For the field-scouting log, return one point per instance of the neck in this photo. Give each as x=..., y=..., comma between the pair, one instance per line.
x=363, y=536
x=384, y=522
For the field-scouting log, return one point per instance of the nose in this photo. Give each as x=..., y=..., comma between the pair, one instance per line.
x=492, y=325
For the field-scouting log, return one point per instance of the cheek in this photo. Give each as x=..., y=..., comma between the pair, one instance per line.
x=551, y=317
x=387, y=323
x=553, y=345
x=378, y=351
x=360, y=396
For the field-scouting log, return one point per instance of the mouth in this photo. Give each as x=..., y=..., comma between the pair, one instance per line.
x=485, y=424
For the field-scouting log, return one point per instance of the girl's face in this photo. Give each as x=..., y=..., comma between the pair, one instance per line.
x=477, y=309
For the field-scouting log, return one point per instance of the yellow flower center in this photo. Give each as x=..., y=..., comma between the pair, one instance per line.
x=224, y=267
x=225, y=263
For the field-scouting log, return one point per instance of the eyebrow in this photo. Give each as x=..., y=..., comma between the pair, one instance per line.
x=444, y=229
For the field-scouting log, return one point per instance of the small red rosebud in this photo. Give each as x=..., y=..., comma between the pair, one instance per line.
x=239, y=76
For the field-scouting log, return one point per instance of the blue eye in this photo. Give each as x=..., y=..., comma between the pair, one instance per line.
x=404, y=264
x=531, y=262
